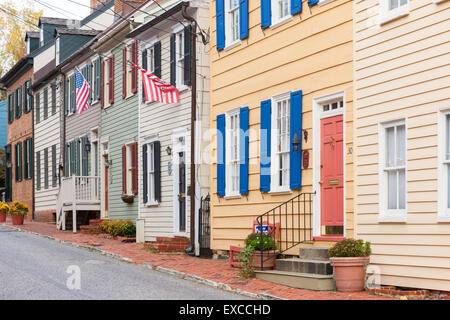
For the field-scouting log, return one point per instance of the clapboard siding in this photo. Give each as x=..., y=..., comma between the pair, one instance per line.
x=313, y=54
x=402, y=71
x=46, y=134
x=119, y=123
x=161, y=120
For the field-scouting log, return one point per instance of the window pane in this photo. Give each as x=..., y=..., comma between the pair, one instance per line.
x=448, y=186
x=401, y=146
x=390, y=147
x=392, y=190
x=393, y=4
x=403, y=2
x=447, y=151
x=401, y=189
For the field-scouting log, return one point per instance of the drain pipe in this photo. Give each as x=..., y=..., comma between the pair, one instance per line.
x=191, y=249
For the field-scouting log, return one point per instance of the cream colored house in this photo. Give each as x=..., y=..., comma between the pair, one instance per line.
x=402, y=139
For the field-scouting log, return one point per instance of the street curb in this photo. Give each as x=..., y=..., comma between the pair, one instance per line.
x=175, y=273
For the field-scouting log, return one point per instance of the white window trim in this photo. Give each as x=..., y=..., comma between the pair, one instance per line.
x=105, y=81
x=324, y=2
x=390, y=215
x=387, y=15
x=274, y=164
x=94, y=74
x=228, y=29
x=179, y=69
x=443, y=214
x=228, y=193
x=148, y=141
x=438, y=1
x=275, y=20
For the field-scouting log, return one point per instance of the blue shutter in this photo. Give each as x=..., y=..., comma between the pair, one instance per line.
x=243, y=19
x=243, y=152
x=296, y=125
x=266, y=14
x=266, y=108
x=296, y=6
x=220, y=24
x=221, y=155
x=312, y=2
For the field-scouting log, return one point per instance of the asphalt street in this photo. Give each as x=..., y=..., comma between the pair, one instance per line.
x=33, y=267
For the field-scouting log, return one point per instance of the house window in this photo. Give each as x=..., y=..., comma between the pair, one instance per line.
x=393, y=9
x=151, y=59
x=38, y=170
x=444, y=166
x=38, y=107
x=393, y=170
x=129, y=171
x=180, y=58
x=97, y=78
x=11, y=108
x=57, y=50
x=280, y=143
x=18, y=100
x=151, y=170
x=18, y=150
x=232, y=23
x=26, y=97
x=27, y=158
x=129, y=168
x=232, y=153
x=280, y=10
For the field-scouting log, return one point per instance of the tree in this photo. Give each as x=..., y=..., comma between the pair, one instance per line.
x=15, y=21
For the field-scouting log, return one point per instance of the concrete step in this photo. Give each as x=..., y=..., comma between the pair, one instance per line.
x=314, y=253
x=298, y=280
x=305, y=266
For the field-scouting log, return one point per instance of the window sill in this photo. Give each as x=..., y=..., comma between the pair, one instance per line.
x=438, y=1
x=281, y=22
x=233, y=45
x=443, y=218
x=280, y=192
x=324, y=2
x=232, y=196
x=152, y=204
x=394, y=15
x=392, y=218
x=182, y=88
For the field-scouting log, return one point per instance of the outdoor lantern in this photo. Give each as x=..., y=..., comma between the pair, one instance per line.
x=296, y=142
x=169, y=150
x=87, y=146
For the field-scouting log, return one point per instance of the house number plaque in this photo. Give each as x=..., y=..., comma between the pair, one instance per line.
x=333, y=182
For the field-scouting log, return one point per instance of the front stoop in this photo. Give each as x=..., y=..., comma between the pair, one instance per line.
x=311, y=271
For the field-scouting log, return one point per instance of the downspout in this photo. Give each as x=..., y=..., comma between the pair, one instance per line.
x=33, y=200
x=191, y=249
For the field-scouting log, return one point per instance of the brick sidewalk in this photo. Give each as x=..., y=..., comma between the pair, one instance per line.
x=217, y=271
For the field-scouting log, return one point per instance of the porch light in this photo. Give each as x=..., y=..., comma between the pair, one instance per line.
x=169, y=150
x=87, y=146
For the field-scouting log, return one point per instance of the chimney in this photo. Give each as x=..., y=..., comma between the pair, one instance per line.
x=94, y=3
x=125, y=7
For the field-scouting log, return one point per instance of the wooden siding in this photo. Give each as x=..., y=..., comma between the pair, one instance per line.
x=161, y=120
x=313, y=54
x=402, y=71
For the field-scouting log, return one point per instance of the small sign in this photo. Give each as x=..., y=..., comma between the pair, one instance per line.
x=169, y=168
x=333, y=182
x=265, y=228
x=305, y=159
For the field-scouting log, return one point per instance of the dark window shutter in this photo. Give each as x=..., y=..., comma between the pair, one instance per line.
x=312, y=2
x=134, y=169
x=220, y=24
x=18, y=102
x=54, y=173
x=38, y=107
x=73, y=106
x=296, y=6
x=89, y=79
x=85, y=163
x=8, y=173
x=265, y=138
x=111, y=79
x=243, y=19
x=295, y=158
x=124, y=169
x=10, y=108
x=266, y=14
x=187, y=55
x=25, y=97
x=66, y=96
x=38, y=170
x=98, y=78
x=157, y=167
x=133, y=68
x=25, y=159
x=45, y=104
x=243, y=152
x=53, y=98
x=124, y=72
x=173, y=63
x=221, y=155
x=102, y=84
x=144, y=174
x=144, y=66
x=157, y=59
x=46, y=168
x=78, y=150
x=72, y=157
x=67, y=159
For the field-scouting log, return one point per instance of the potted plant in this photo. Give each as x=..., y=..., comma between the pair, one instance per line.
x=18, y=211
x=252, y=254
x=4, y=209
x=349, y=259
x=128, y=198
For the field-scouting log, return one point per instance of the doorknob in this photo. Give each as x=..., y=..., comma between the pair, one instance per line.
x=320, y=182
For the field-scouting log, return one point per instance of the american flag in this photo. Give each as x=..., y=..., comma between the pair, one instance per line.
x=82, y=92
x=158, y=90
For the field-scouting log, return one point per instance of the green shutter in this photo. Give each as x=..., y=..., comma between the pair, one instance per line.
x=25, y=159
x=72, y=94
x=66, y=97
x=85, y=171
x=78, y=156
x=66, y=164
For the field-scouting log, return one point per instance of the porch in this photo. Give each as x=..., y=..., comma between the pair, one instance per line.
x=77, y=193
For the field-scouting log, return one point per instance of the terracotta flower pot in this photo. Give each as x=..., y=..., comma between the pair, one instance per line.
x=2, y=216
x=349, y=272
x=269, y=259
x=17, y=219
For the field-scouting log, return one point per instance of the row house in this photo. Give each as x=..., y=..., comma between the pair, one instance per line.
x=402, y=135
x=173, y=177
x=282, y=106
x=19, y=143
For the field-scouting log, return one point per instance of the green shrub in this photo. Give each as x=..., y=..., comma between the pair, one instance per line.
x=122, y=228
x=350, y=248
x=254, y=240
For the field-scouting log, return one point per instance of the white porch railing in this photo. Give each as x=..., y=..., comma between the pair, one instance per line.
x=76, y=191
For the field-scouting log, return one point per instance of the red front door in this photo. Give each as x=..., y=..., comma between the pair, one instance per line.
x=332, y=175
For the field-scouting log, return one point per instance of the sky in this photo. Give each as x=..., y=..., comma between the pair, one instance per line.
x=59, y=8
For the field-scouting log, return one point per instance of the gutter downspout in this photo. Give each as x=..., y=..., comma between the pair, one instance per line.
x=33, y=199
x=191, y=249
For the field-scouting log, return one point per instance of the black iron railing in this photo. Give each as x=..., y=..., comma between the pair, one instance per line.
x=288, y=224
x=205, y=228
